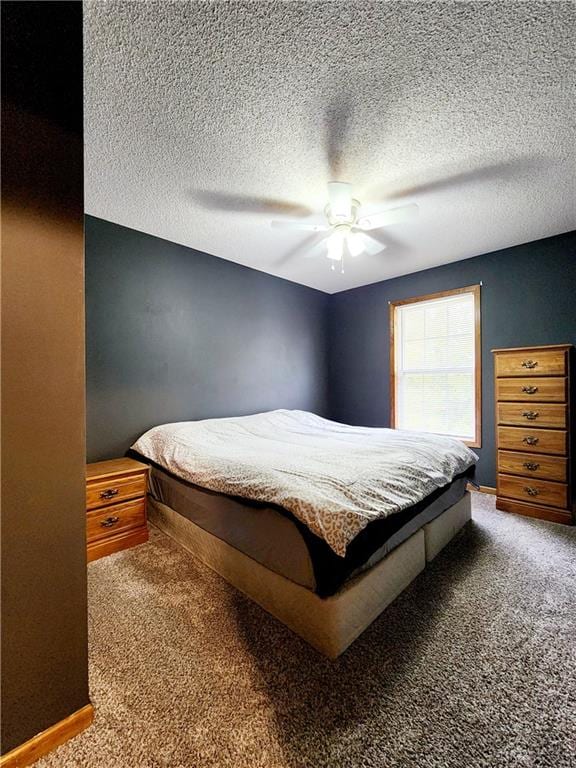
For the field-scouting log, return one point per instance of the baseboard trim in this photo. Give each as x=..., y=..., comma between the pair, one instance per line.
x=482, y=489
x=47, y=740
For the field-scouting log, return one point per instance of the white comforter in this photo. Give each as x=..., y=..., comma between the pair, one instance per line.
x=334, y=478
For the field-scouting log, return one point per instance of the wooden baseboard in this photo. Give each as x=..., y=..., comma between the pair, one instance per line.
x=482, y=489
x=45, y=742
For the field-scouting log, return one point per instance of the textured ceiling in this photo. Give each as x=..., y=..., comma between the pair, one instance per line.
x=201, y=116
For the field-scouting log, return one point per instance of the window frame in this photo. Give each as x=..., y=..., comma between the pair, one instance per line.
x=475, y=290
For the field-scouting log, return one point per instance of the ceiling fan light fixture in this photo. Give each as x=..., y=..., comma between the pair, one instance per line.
x=335, y=243
x=349, y=232
x=355, y=243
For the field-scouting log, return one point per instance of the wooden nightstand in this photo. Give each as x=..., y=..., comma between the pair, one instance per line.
x=115, y=506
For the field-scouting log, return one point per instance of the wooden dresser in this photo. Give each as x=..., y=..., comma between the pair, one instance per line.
x=534, y=431
x=115, y=506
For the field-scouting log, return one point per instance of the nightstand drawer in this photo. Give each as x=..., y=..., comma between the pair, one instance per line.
x=114, y=519
x=533, y=465
x=532, y=362
x=532, y=414
x=533, y=490
x=543, y=390
x=112, y=490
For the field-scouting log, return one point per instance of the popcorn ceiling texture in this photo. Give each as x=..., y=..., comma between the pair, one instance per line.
x=465, y=108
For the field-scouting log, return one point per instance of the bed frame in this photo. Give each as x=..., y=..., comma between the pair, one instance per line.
x=329, y=624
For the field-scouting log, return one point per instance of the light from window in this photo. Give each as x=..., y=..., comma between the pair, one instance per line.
x=436, y=364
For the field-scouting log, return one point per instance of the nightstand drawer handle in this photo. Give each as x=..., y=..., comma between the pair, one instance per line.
x=530, y=390
x=529, y=363
x=109, y=493
x=530, y=415
x=532, y=465
x=530, y=440
x=531, y=491
x=110, y=521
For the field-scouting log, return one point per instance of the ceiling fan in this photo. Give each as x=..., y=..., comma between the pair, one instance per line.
x=347, y=230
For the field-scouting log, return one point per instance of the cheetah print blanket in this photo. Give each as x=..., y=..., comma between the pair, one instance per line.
x=333, y=477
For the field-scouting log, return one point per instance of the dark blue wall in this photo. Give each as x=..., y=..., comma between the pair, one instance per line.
x=528, y=297
x=174, y=334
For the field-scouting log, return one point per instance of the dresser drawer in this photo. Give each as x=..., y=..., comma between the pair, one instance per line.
x=112, y=490
x=533, y=465
x=531, y=489
x=536, y=414
x=533, y=440
x=544, y=362
x=543, y=390
x=114, y=519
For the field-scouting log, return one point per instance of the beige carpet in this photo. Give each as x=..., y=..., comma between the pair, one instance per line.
x=474, y=665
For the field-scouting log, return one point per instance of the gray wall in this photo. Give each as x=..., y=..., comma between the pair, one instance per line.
x=528, y=297
x=44, y=615
x=174, y=334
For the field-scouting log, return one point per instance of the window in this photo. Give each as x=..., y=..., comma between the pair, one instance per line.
x=435, y=364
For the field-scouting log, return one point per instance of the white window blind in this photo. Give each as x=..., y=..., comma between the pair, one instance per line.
x=434, y=355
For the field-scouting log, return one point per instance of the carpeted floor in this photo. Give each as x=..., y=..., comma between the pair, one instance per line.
x=474, y=665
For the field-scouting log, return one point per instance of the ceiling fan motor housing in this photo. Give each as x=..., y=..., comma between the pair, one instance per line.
x=337, y=219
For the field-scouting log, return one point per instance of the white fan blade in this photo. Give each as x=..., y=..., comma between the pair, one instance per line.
x=371, y=245
x=340, y=199
x=360, y=242
x=385, y=218
x=301, y=225
x=318, y=249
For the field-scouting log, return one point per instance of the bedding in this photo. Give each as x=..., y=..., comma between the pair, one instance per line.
x=273, y=537
x=334, y=478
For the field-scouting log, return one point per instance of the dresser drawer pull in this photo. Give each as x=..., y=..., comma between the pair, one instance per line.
x=530, y=415
x=530, y=440
x=110, y=521
x=531, y=491
x=530, y=390
x=109, y=493
x=529, y=363
x=531, y=465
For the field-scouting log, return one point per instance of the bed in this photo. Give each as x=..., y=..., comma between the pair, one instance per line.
x=322, y=524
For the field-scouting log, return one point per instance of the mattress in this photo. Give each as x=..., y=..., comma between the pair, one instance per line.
x=275, y=538
x=334, y=478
